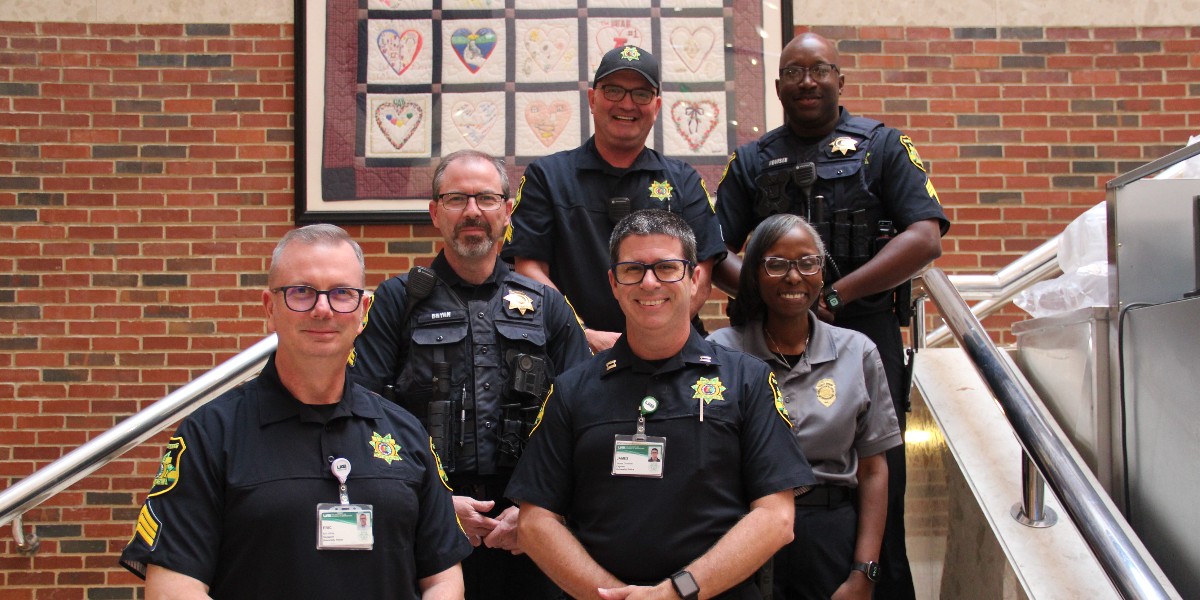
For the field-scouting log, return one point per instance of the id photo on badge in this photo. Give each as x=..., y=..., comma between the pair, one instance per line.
x=637, y=458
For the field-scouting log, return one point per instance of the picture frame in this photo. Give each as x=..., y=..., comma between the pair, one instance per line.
x=384, y=88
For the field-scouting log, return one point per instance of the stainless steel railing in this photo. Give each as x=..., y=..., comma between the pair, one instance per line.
x=97, y=452
x=1097, y=521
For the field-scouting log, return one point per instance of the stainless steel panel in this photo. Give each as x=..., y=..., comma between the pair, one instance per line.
x=1162, y=398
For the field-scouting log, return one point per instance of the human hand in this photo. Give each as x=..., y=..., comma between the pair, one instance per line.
x=475, y=523
x=856, y=587
x=504, y=536
x=662, y=591
x=822, y=311
x=600, y=340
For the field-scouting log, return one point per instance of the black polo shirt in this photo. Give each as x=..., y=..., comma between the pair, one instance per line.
x=235, y=502
x=642, y=530
x=562, y=218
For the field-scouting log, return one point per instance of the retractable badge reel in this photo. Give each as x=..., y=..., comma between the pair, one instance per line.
x=344, y=526
x=640, y=455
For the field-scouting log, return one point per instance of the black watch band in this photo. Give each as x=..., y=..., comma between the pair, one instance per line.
x=869, y=568
x=685, y=585
x=833, y=301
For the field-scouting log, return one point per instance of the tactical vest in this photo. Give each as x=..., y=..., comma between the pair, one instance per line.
x=475, y=373
x=838, y=202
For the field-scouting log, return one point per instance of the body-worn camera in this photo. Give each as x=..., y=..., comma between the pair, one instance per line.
x=528, y=373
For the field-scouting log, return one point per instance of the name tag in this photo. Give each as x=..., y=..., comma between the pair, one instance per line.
x=639, y=457
x=345, y=527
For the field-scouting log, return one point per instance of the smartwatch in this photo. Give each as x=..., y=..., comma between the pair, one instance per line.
x=869, y=568
x=832, y=300
x=685, y=585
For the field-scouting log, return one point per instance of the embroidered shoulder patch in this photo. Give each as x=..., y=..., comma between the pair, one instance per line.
x=441, y=472
x=537, y=421
x=168, y=467
x=779, y=407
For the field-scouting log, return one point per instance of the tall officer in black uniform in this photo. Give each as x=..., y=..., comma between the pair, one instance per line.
x=300, y=484
x=471, y=347
x=567, y=203
x=864, y=187
x=598, y=514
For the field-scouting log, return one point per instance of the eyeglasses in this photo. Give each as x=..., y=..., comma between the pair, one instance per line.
x=614, y=93
x=805, y=265
x=303, y=298
x=818, y=72
x=665, y=271
x=458, y=200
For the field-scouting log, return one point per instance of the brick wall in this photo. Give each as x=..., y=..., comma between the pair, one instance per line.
x=146, y=171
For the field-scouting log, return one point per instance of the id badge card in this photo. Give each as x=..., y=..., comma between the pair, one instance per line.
x=639, y=456
x=345, y=527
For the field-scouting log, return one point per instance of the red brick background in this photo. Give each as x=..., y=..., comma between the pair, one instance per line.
x=146, y=171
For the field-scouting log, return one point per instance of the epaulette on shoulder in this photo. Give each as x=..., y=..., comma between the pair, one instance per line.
x=859, y=126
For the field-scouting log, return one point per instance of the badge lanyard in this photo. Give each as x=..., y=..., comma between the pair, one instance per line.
x=640, y=455
x=344, y=526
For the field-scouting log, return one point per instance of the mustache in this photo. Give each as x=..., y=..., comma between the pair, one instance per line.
x=473, y=222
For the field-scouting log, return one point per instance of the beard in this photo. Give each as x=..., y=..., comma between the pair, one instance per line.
x=473, y=246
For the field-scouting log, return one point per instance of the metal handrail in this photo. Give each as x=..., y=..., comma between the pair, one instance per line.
x=995, y=291
x=1097, y=521
x=97, y=452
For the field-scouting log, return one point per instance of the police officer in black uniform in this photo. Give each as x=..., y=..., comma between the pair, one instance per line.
x=572, y=199
x=300, y=484
x=865, y=189
x=470, y=347
x=597, y=511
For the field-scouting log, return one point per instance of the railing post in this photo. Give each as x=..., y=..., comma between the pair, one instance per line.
x=1032, y=511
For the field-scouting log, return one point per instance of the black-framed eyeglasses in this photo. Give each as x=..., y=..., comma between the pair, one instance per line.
x=459, y=200
x=614, y=93
x=818, y=72
x=665, y=271
x=303, y=298
x=805, y=265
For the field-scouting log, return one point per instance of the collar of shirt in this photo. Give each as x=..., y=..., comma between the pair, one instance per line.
x=276, y=403
x=591, y=160
x=822, y=348
x=442, y=268
x=696, y=351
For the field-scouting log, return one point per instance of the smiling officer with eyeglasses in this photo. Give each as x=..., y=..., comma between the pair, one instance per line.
x=298, y=483
x=866, y=191
x=470, y=347
x=666, y=461
x=567, y=203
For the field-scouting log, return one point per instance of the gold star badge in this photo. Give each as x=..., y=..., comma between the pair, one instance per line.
x=826, y=392
x=709, y=389
x=385, y=447
x=844, y=145
x=660, y=190
x=630, y=53
x=518, y=301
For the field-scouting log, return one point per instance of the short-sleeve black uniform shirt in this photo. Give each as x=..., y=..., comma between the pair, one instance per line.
x=643, y=530
x=562, y=218
x=234, y=504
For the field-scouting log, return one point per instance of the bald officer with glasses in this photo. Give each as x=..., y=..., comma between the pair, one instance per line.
x=665, y=462
x=567, y=203
x=471, y=347
x=865, y=190
x=300, y=484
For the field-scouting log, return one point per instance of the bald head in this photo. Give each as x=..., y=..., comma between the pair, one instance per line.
x=810, y=85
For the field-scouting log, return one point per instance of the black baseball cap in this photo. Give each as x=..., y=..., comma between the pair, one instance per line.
x=629, y=58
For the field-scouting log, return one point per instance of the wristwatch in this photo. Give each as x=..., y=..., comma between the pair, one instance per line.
x=869, y=568
x=685, y=585
x=832, y=300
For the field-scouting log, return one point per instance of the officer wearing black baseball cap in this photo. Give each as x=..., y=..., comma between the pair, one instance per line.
x=573, y=199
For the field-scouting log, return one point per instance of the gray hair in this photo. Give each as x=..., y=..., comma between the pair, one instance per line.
x=315, y=235
x=440, y=172
x=653, y=221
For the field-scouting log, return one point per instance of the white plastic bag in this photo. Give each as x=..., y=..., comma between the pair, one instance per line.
x=1083, y=257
